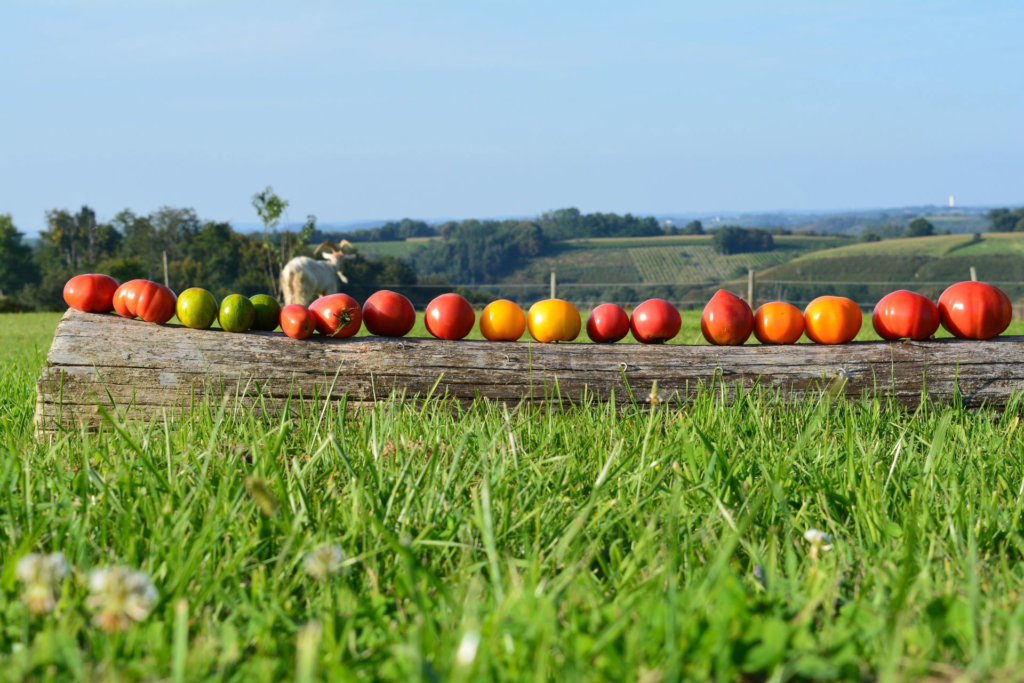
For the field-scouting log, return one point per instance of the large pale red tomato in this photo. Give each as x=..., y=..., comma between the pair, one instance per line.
x=777, y=322
x=607, y=324
x=388, y=314
x=975, y=310
x=905, y=315
x=832, y=319
x=298, y=322
x=502, y=320
x=151, y=301
x=655, y=321
x=449, y=316
x=337, y=315
x=91, y=293
x=726, y=320
x=553, y=320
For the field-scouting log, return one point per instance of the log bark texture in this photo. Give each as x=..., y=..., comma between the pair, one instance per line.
x=139, y=370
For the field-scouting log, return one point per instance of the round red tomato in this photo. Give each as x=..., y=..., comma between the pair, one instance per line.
x=151, y=301
x=298, y=322
x=655, y=321
x=449, y=316
x=337, y=315
x=905, y=315
x=607, y=323
x=91, y=293
x=388, y=314
x=975, y=310
x=726, y=320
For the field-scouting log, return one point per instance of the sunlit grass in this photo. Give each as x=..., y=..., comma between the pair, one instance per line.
x=490, y=543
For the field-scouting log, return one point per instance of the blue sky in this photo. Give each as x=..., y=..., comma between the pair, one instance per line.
x=448, y=109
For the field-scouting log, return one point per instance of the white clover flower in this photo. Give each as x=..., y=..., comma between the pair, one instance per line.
x=323, y=561
x=466, y=653
x=42, y=576
x=120, y=595
x=819, y=540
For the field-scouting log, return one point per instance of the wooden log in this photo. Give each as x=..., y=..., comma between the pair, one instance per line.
x=139, y=370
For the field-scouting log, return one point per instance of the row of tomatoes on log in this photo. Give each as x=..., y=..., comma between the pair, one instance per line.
x=971, y=310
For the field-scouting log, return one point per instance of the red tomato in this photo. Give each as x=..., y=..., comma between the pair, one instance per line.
x=151, y=301
x=388, y=314
x=607, y=323
x=655, y=321
x=726, y=320
x=298, y=322
x=975, y=310
x=449, y=316
x=91, y=293
x=902, y=315
x=337, y=315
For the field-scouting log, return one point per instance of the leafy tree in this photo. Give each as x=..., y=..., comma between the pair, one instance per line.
x=693, y=228
x=735, y=240
x=920, y=227
x=269, y=207
x=1005, y=220
x=17, y=268
x=479, y=251
x=564, y=224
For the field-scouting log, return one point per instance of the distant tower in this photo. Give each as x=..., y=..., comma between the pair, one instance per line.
x=952, y=204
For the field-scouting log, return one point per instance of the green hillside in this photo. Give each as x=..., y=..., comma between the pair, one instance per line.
x=866, y=271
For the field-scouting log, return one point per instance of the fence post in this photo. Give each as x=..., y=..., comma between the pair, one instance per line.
x=974, y=274
x=750, y=287
x=167, y=282
x=553, y=284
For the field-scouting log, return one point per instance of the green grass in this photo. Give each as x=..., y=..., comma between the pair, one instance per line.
x=492, y=544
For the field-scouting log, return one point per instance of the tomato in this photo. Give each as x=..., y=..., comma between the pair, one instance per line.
x=91, y=293
x=268, y=311
x=832, y=319
x=553, y=320
x=337, y=315
x=975, y=310
x=655, y=321
x=196, y=308
x=777, y=322
x=449, y=316
x=388, y=314
x=298, y=322
x=237, y=314
x=902, y=314
x=502, y=320
x=726, y=320
x=145, y=299
x=607, y=324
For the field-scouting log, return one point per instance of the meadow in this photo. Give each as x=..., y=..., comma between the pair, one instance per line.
x=849, y=540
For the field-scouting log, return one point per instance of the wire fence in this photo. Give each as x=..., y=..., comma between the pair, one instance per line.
x=695, y=294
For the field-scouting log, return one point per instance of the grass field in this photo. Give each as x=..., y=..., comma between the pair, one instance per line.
x=491, y=544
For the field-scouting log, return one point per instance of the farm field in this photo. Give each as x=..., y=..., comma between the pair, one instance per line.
x=493, y=544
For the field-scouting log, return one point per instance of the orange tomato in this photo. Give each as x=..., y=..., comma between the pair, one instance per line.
x=778, y=323
x=502, y=320
x=553, y=320
x=832, y=319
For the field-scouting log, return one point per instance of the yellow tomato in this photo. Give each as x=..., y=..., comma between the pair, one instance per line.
x=553, y=320
x=502, y=320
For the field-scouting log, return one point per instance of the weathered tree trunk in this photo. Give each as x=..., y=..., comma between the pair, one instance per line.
x=140, y=370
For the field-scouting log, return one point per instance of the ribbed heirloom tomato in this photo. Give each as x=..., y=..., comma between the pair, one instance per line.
x=655, y=321
x=388, y=314
x=91, y=293
x=832, y=319
x=607, y=324
x=449, y=316
x=145, y=299
x=975, y=310
x=778, y=322
x=726, y=320
x=905, y=315
x=553, y=320
x=337, y=315
x=502, y=320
